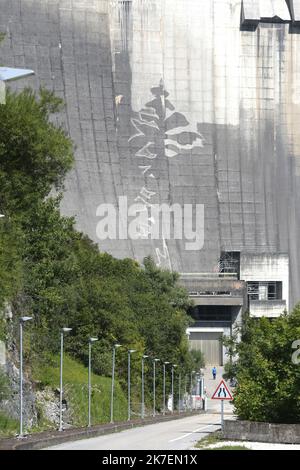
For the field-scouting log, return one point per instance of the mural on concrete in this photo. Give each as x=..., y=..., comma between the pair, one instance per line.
x=159, y=121
x=159, y=131
x=239, y=86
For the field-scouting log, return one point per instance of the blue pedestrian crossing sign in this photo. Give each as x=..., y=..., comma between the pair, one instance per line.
x=222, y=392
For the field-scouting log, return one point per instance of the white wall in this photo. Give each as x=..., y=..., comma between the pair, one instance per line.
x=267, y=267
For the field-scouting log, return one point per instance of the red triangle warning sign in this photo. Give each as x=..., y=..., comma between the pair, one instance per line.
x=222, y=392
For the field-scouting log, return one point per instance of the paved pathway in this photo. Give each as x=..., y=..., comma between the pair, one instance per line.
x=180, y=434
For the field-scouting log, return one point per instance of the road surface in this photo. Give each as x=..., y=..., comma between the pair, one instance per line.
x=181, y=434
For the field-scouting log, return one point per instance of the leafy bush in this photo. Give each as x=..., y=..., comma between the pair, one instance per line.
x=268, y=382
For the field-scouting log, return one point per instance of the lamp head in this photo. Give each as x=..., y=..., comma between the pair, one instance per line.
x=8, y=74
x=117, y=345
x=93, y=340
x=66, y=330
x=24, y=319
x=131, y=351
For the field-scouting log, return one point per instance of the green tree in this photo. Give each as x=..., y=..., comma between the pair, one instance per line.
x=35, y=155
x=268, y=382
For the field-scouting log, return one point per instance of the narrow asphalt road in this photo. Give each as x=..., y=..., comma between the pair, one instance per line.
x=181, y=434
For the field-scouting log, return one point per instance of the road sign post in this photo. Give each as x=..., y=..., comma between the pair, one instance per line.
x=222, y=415
x=222, y=393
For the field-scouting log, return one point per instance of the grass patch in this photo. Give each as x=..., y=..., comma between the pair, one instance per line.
x=76, y=391
x=215, y=438
x=212, y=438
x=228, y=448
x=8, y=426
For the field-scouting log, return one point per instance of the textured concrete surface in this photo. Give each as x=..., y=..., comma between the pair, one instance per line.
x=169, y=101
x=262, y=432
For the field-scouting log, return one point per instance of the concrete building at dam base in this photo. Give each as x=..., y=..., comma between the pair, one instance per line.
x=191, y=105
x=258, y=284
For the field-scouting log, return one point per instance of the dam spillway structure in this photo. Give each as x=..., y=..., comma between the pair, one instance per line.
x=180, y=102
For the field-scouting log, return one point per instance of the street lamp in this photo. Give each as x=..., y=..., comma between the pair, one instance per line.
x=185, y=391
x=154, y=384
x=130, y=351
x=143, y=387
x=172, y=388
x=193, y=372
x=91, y=341
x=179, y=390
x=22, y=321
x=63, y=330
x=116, y=346
x=8, y=74
x=164, y=387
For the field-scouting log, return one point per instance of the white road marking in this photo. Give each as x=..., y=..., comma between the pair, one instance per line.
x=196, y=430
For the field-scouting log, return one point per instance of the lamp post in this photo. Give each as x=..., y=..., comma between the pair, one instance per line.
x=154, y=384
x=116, y=346
x=172, y=388
x=63, y=330
x=91, y=341
x=143, y=387
x=193, y=372
x=185, y=391
x=179, y=387
x=9, y=74
x=164, y=387
x=198, y=383
x=130, y=351
x=22, y=321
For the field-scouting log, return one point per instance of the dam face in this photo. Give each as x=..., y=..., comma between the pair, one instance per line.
x=173, y=101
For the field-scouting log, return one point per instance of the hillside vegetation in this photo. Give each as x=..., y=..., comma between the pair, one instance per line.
x=56, y=274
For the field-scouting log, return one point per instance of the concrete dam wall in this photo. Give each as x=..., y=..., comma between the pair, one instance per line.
x=171, y=101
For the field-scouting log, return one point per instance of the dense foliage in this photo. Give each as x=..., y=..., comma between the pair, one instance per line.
x=268, y=380
x=53, y=272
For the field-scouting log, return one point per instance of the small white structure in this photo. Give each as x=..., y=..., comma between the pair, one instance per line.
x=267, y=278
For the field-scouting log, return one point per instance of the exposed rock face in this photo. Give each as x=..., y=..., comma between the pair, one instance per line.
x=169, y=101
x=47, y=401
x=11, y=406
